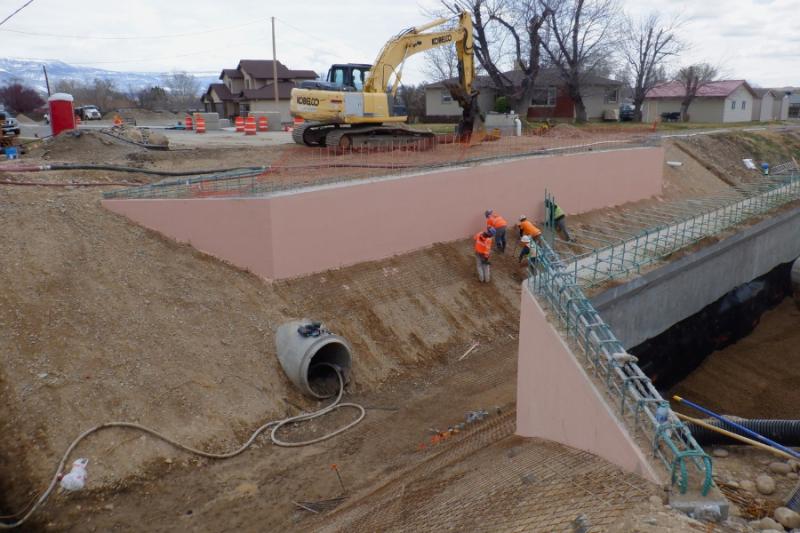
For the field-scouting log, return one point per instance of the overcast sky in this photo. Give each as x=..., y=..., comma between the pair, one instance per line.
x=752, y=39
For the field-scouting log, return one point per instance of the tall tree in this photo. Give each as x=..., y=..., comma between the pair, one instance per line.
x=518, y=23
x=183, y=90
x=693, y=78
x=582, y=35
x=19, y=98
x=646, y=45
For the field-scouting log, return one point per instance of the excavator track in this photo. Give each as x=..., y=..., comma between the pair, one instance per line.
x=366, y=137
x=311, y=133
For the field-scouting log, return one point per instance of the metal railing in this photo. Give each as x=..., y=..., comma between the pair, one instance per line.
x=629, y=239
x=638, y=402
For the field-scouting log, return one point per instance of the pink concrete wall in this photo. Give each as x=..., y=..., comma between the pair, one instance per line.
x=361, y=221
x=557, y=400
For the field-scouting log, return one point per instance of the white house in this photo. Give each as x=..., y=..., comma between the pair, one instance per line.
x=717, y=101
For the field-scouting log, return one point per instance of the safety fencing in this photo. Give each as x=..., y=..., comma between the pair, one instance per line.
x=301, y=167
x=639, y=404
x=615, y=247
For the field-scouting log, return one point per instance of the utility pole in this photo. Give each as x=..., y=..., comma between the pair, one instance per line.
x=274, y=65
x=46, y=79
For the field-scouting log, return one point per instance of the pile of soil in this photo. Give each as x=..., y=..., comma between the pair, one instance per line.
x=758, y=377
x=83, y=147
x=563, y=130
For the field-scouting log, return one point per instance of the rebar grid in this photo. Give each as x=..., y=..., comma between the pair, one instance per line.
x=638, y=401
x=628, y=240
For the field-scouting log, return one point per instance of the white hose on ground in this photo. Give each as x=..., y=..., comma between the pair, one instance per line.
x=273, y=437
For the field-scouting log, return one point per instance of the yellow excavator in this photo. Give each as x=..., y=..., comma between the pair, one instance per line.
x=354, y=106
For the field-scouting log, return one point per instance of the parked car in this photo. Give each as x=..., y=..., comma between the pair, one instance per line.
x=10, y=124
x=673, y=116
x=626, y=112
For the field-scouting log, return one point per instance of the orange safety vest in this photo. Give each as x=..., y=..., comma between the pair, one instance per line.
x=529, y=229
x=483, y=245
x=496, y=222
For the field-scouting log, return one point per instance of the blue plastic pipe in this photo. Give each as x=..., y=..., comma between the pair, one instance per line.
x=739, y=427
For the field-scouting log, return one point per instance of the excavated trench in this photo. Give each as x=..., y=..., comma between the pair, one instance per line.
x=672, y=356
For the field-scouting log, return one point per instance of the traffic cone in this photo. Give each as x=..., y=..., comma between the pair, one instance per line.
x=250, y=126
x=201, y=125
x=263, y=124
x=239, y=121
x=117, y=120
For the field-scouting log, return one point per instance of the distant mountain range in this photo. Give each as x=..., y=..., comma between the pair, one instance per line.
x=29, y=72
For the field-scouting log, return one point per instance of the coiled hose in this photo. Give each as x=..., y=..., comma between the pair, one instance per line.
x=275, y=424
x=786, y=432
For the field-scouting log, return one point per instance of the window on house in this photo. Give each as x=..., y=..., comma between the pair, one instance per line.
x=545, y=96
x=446, y=97
x=743, y=103
x=733, y=104
x=612, y=96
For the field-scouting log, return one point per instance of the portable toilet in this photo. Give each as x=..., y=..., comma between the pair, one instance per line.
x=62, y=112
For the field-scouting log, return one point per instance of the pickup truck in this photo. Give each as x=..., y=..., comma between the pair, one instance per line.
x=9, y=124
x=88, y=112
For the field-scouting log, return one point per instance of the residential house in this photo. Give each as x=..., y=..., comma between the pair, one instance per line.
x=251, y=87
x=550, y=98
x=789, y=104
x=717, y=101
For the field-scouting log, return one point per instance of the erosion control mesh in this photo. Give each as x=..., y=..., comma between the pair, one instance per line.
x=490, y=480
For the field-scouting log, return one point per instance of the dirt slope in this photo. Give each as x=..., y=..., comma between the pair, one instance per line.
x=102, y=320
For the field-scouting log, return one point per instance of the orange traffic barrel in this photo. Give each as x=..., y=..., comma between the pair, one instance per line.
x=117, y=120
x=77, y=120
x=239, y=121
x=201, y=125
x=298, y=121
x=263, y=124
x=188, y=122
x=250, y=126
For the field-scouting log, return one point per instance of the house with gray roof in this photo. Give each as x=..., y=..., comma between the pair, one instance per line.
x=550, y=99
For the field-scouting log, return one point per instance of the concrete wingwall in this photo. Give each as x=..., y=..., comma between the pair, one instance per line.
x=294, y=233
x=641, y=309
x=557, y=400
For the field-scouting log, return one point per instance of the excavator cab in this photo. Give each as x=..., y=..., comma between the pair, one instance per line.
x=347, y=77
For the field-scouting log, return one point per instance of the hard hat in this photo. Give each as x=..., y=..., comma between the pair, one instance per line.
x=491, y=231
x=488, y=213
x=526, y=239
x=522, y=217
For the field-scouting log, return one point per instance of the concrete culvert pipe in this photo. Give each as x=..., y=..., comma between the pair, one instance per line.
x=302, y=346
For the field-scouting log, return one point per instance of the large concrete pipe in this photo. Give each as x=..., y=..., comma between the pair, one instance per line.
x=302, y=345
x=796, y=281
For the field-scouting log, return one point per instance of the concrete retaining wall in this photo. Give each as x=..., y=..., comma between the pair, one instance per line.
x=651, y=304
x=289, y=234
x=557, y=400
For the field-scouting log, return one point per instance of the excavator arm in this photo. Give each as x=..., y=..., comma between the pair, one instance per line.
x=415, y=40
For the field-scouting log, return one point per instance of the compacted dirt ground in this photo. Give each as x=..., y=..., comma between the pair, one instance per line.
x=102, y=320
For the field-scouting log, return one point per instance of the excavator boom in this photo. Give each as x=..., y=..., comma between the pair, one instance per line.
x=361, y=111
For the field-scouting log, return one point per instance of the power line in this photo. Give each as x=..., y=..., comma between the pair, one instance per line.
x=29, y=2
x=130, y=37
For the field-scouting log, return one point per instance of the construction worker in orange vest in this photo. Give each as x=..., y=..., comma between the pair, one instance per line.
x=483, y=249
x=526, y=227
x=499, y=225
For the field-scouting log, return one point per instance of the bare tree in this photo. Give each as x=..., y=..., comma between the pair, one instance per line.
x=440, y=63
x=646, y=45
x=581, y=37
x=693, y=78
x=518, y=23
x=183, y=90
